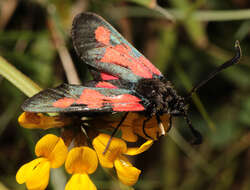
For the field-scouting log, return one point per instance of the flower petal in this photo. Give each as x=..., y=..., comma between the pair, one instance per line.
x=26, y=170
x=79, y=182
x=137, y=150
x=40, y=177
x=115, y=149
x=52, y=148
x=41, y=121
x=128, y=134
x=152, y=127
x=81, y=160
x=126, y=173
x=35, y=174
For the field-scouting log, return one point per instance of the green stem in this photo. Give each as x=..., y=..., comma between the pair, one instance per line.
x=164, y=12
x=214, y=15
x=227, y=15
x=202, y=15
x=207, y=15
x=3, y=187
x=21, y=81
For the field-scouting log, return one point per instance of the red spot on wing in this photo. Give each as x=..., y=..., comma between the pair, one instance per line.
x=149, y=65
x=105, y=85
x=63, y=102
x=106, y=76
x=128, y=107
x=92, y=98
x=120, y=56
x=126, y=102
x=124, y=98
x=102, y=35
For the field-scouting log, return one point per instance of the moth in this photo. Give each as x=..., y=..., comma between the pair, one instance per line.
x=123, y=79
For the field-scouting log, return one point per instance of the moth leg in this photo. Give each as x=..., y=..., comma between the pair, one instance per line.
x=83, y=130
x=143, y=128
x=170, y=122
x=114, y=132
x=196, y=134
x=162, y=131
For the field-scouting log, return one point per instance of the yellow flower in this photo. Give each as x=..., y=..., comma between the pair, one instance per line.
x=35, y=174
x=38, y=120
x=114, y=157
x=126, y=173
x=132, y=126
x=52, y=153
x=80, y=162
x=138, y=150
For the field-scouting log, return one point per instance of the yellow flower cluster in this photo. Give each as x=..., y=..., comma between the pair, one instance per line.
x=83, y=158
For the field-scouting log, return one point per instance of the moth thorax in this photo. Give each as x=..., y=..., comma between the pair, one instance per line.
x=161, y=95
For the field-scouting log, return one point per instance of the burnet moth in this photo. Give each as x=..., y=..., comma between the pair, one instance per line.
x=124, y=80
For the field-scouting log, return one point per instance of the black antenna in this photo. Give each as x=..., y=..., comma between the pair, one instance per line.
x=196, y=134
x=225, y=65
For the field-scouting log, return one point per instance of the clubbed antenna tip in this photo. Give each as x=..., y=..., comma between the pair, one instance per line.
x=225, y=65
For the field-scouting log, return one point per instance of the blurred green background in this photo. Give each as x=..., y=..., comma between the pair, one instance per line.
x=186, y=39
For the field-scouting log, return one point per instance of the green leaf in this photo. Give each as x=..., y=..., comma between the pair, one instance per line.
x=22, y=82
x=146, y=3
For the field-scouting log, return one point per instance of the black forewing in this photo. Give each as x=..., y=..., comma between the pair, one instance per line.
x=92, y=51
x=76, y=98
